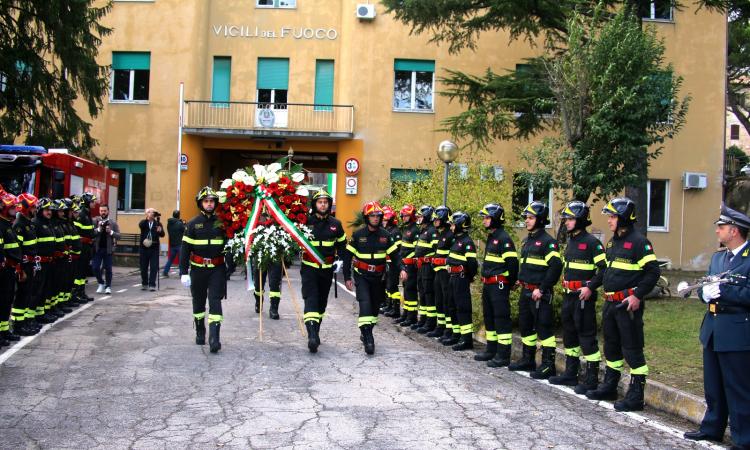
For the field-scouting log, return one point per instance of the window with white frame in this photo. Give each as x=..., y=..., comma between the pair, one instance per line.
x=525, y=193
x=658, y=205
x=273, y=83
x=414, y=85
x=276, y=3
x=130, y=76
x=656, y=10
x=131, y=193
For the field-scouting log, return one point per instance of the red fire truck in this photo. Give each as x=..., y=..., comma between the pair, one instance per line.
x=55, y=174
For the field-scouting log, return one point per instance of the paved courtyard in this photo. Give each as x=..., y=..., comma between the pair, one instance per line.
x=125, y=373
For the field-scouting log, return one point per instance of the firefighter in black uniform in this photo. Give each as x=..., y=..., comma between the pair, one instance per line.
x=462, y=267
x=202, y=268
x=423, y=252
x=632, y=272
x=584, y=257
x=367, y=252
x=74, y=251
x=539, y=271
x=12, y=268
x=24, y=322
x=392, y=306
x=408, y=275
x=272, y=275
x=61, y=264
x=330, y=241
x=499, y=275
x=43, y=289
x=85, y=227
x=445, y=309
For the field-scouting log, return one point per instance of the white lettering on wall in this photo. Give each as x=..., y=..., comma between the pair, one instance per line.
x=244, y=31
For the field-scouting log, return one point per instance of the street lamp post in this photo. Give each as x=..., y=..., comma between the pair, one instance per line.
x=448, y=152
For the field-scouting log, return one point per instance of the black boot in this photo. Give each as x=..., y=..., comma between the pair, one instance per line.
x=411, y=319
x=367, y=339
x=419, y=323
x=570, y=376
x=527, y=361
x=24, y=328
x=200, y=332
x=429, y=326
x=488, y=353
x=591, y=379
x=607, y=389
x=439, y=331
x=633, y=400
x=273, y=311
x=403, y=316
x=447, y=334
x=452, y=339
x=466, y=342
x=502, y=357
x=214, y=342
x=10, y=336
x=395, y=309
x=257, y=305
x=547, y=368
x=313, y=340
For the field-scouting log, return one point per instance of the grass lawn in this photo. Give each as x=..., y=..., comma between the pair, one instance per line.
x=673, y=351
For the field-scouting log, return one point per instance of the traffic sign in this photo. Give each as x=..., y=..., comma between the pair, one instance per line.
x=351, y=166
x=183, y=161
x=351, y=185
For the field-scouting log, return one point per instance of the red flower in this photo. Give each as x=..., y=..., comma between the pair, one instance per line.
x=302, y=218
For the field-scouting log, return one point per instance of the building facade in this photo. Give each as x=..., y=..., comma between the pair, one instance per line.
x=337, y=81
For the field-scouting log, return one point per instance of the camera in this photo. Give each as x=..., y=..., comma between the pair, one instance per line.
x=104, y=224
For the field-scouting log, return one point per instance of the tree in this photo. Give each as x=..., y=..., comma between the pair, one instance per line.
x=48, y=53
x=738, y=61
x=616, y=104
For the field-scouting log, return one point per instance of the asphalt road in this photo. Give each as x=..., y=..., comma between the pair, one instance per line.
x=125, y=373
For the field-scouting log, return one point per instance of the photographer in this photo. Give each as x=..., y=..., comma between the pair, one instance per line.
x=106, y=232
x=151, y=231
x=176, y=229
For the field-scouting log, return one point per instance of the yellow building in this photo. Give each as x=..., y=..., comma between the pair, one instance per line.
x=338, y=80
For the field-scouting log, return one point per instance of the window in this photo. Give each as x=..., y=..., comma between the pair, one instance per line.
x=323, y=85
x=130, y=76
x=131, y=194
x=528, y=81
x=734, y=132
x=658, y=205
x=221, y=81
x=491, y=173
x=402, y=179
x=276, y=4
x=656, y=10
x=414, y=85
x=525, y=193
x=273, y=82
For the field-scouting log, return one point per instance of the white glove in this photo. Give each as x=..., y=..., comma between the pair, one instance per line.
x=185, y=280
x=711, y=292
x=337, y=265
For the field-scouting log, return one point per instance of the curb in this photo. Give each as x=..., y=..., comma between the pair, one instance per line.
x=657, y=395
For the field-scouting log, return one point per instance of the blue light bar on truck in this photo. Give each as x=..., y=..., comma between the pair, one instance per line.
x=23, y=149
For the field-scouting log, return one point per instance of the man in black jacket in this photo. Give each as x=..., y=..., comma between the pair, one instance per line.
x=632, y=272
x=202, y=268
x=539, y=271
x=11, y=271
x=175, y=229
x=462, y=266
x=151, y=231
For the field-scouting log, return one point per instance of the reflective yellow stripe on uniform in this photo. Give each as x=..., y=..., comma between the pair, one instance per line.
x=443, y=252
x=28, y=243
x=392, y=248
x=456, y=256
x=10, y=245
x=580, y=266
x=408, y=244
x=323, y=243
x=551, y=255
x=341, y=238
x=535, y=261
x=45, y=239
x=494, y=258
x=316, y=265
x=424, y=244
x=624, y=266
x=600, y=258
x=645, y=260
x=84, y=227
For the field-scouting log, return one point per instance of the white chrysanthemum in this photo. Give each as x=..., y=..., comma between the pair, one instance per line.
x=239, y=175
x=302, y=191
x=222, y=196
x=226, y=183
x=298, y=177
x=248, y=180
x=273, y=168
x=259, y=171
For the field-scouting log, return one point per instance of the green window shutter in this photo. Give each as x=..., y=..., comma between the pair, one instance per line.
x=329, y=182
x=131, y=60
x=221, y=79
x=273, y=73
x=406, y=175
x=130, y=166
x=414, y=65
x=323, y=84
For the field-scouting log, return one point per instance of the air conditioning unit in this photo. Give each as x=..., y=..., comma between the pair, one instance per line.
x=365, y=11
x=694, y=180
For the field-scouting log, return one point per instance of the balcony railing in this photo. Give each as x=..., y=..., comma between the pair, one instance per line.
x=268, y=119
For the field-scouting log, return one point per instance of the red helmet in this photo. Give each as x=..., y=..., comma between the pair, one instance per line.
x=372, y=208
x=26, y=202
x=388, y=213
x=409, y=210
x=7, y=201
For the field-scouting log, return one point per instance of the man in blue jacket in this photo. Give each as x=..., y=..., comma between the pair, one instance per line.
x=725, y=335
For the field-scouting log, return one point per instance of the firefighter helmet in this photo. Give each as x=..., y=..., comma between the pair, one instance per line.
x=426, y=212
x=26, y=202
x=44, y=203
x=7, y=201
x=443, y=214
x=325, y=195
x=540, y=211
x=461, y=221
x=87, y=198
x=409, y=211
x=389, y=215
x=372, y=209
x=623, y=208
x=577, y=210
x=495, y=212
x=204, y=193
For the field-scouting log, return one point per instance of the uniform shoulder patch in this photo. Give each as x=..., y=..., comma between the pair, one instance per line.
x=198, y=226
x=609, y=244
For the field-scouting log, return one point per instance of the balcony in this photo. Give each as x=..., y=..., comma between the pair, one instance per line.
x=268, y=120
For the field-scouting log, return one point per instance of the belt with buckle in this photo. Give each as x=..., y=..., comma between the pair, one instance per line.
x=373, y=268
x=715, y=308
x=495, y=279
x=206, y=262
x=409, y=261
x=528, y=286
x=439, y=261
x=574, y=286
x=618, y=296
x=455, y=269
